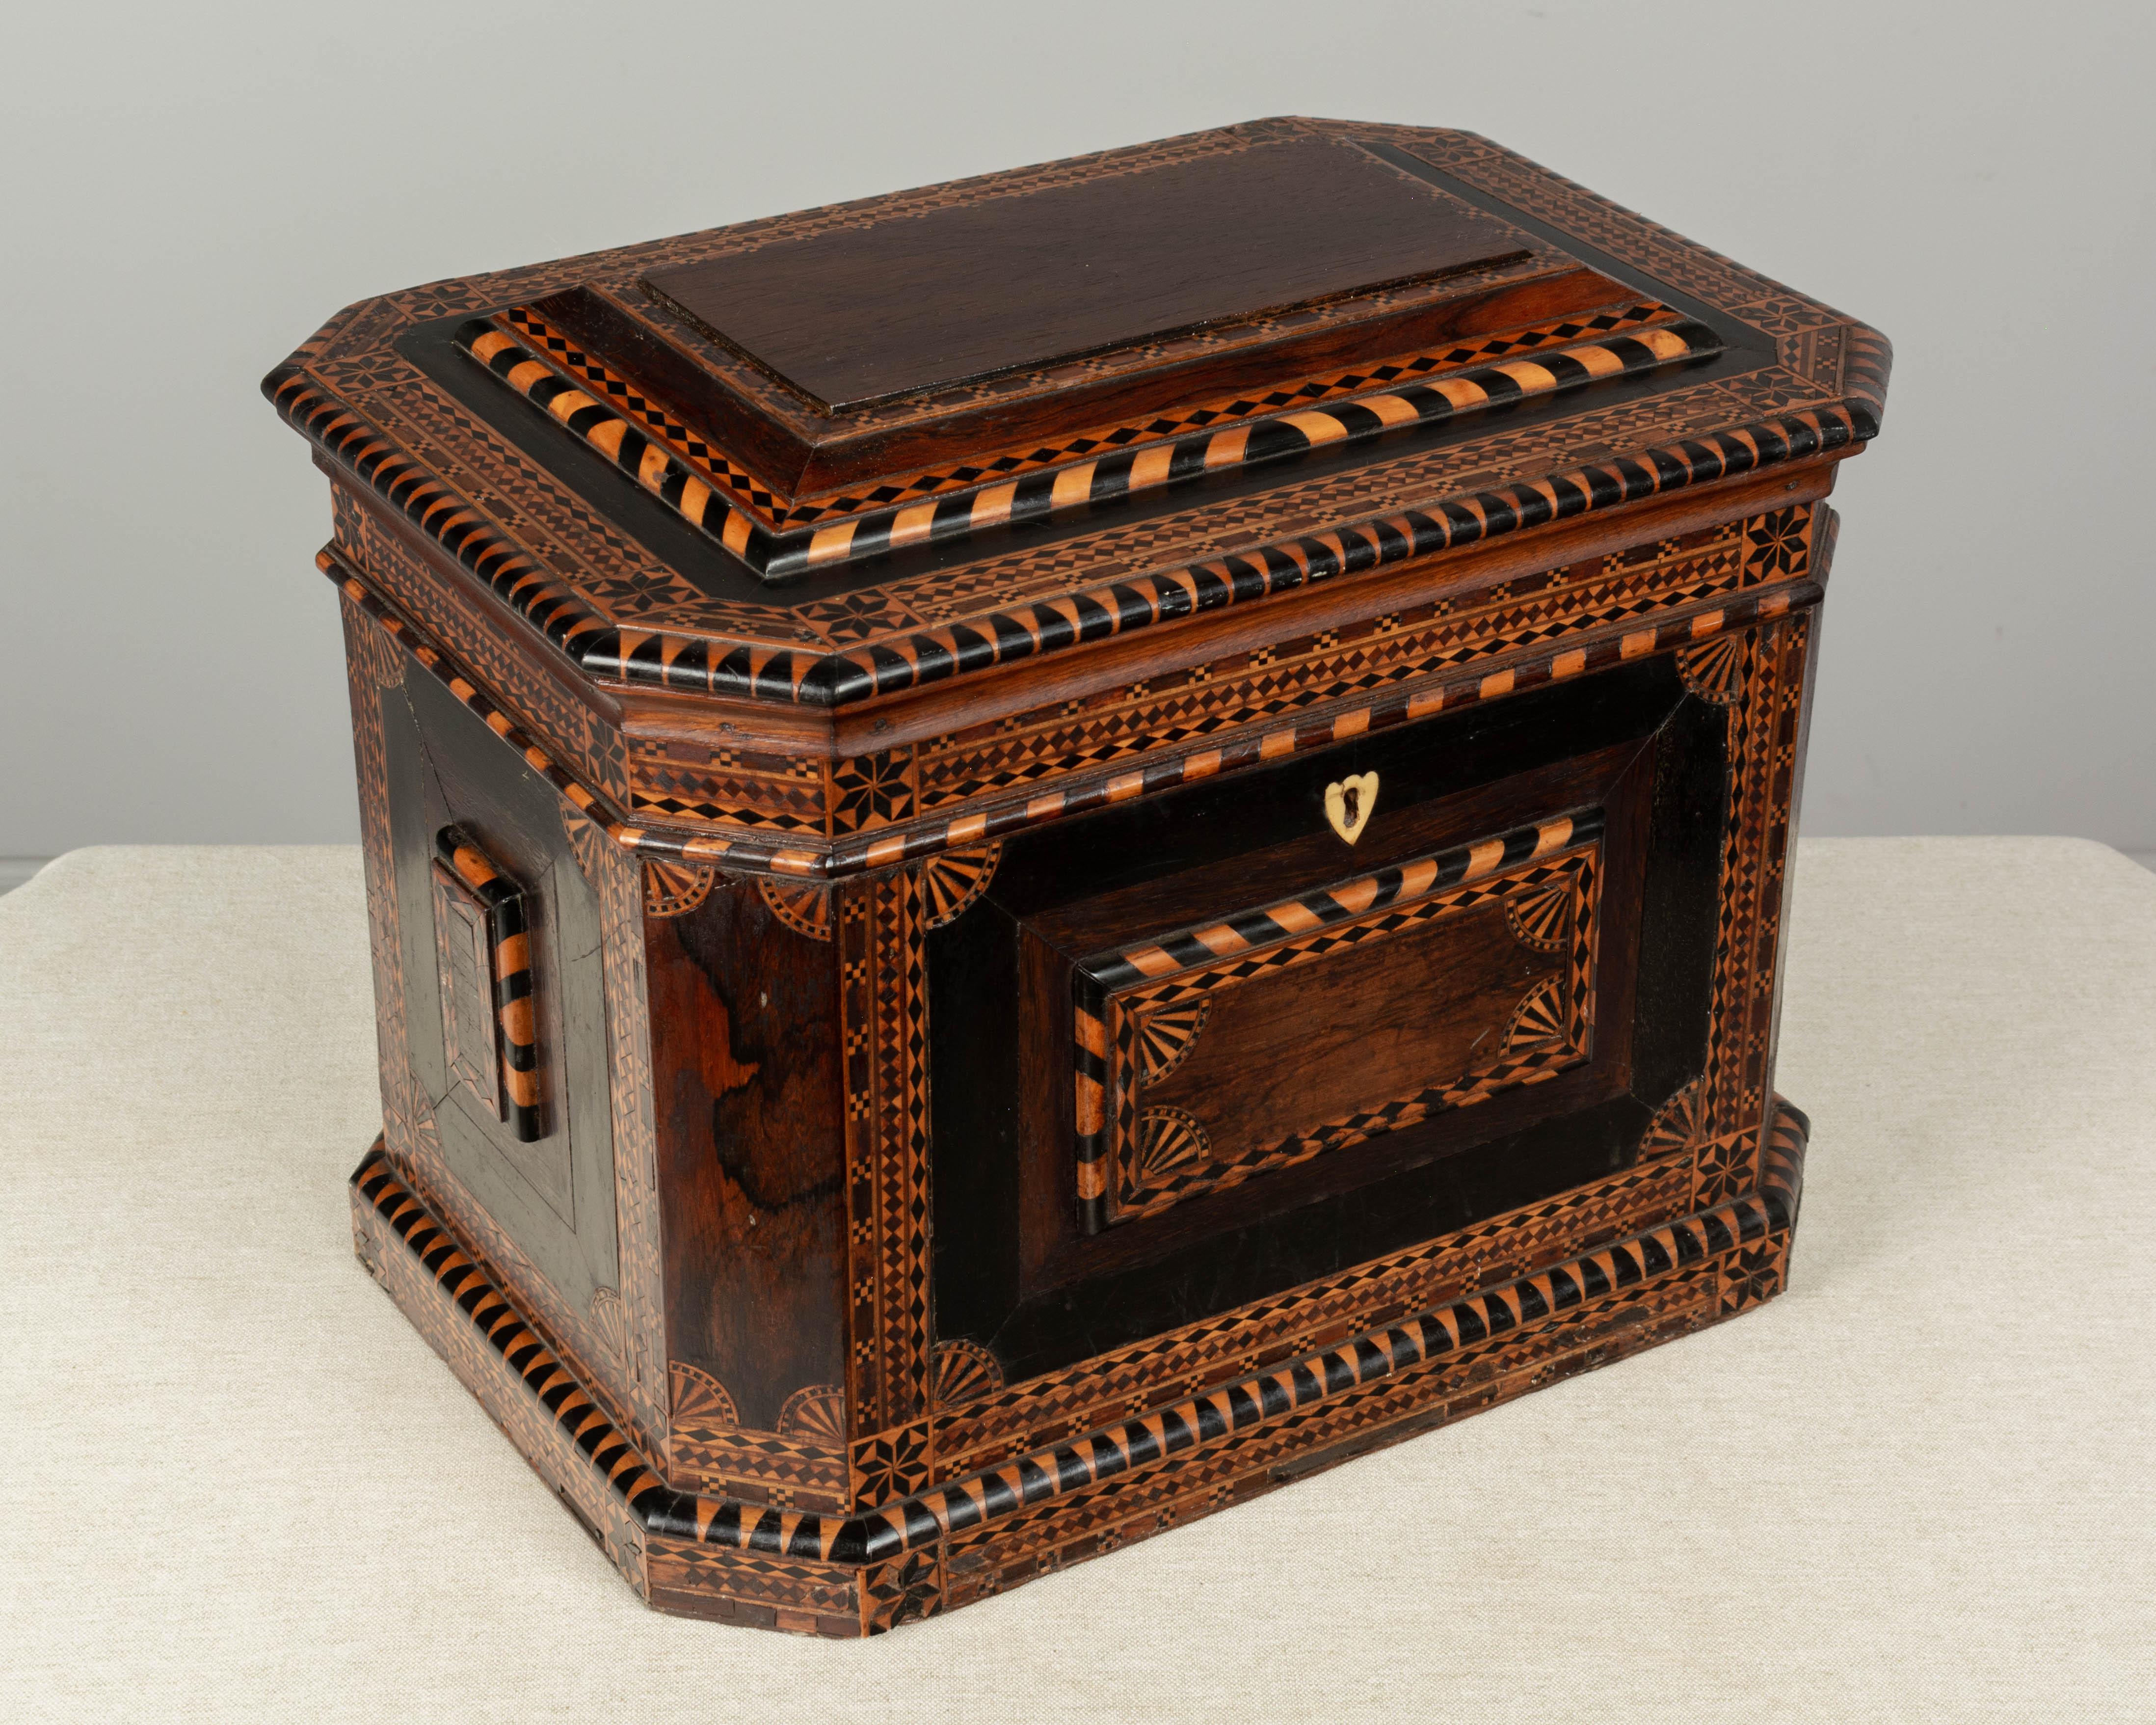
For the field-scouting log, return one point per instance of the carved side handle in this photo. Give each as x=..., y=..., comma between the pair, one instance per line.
x=489, y=1019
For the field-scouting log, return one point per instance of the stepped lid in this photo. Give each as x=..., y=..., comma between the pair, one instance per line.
x=821, y=457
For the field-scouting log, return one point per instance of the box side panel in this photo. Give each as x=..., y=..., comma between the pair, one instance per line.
x=403, y=567
x=547, y=1210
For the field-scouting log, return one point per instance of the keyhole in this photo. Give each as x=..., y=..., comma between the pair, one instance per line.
x=1350, y=801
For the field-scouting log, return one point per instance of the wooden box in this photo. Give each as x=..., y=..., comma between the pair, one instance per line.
x=1047, y=851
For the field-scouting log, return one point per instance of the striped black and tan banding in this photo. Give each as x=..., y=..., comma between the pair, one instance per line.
x=580, y=797
x=767, y=670
x=587, y=373
x=1429, y=693
x=451, y=520
x=841, y=679
x=546, y=381
x=1415, y=1344
x=1103, y=1101
x=1203, y=944
x=516, y=1009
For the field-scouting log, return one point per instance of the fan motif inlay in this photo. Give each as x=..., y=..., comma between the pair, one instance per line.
x=1539, y=919
x=1165, y=1038
x=1539, y=1018
x=1168, y=1137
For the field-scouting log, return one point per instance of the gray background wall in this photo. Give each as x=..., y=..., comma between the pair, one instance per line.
x=189, y=191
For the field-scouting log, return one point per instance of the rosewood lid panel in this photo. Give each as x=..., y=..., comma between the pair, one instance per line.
x=1038, y=278
x=849, y=455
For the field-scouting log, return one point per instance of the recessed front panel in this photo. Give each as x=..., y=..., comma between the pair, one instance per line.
x=1207, y=1047
x=1218, y=1053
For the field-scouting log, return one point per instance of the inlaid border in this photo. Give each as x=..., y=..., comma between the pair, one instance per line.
x=1115, y=994
x=884, y=1011
x=631, y=1384
x=457, y=1301
x=1418, y=688
x=580, y=583
x=537, y=363
x=758, y=671
x=1611, y=643
x=1724, y=1112
x=709, y=462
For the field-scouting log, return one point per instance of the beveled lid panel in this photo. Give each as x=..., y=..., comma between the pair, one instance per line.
x=915, y=303
x=566, y=475
x=942, y=364
x=705, y=480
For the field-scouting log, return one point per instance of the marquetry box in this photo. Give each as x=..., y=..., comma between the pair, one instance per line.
x=1046, y=851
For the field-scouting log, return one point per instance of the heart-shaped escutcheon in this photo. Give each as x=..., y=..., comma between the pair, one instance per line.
x=1348, y=803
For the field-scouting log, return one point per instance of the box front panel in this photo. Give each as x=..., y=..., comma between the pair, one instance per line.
x=1208, y=1047
x=1214, y=1054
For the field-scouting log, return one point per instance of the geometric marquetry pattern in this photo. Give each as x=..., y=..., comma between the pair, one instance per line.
x=1172, y=750
x=700, y=1399
x=1765, y=722
x=1754, y=1275
x=716, y=667
x=736, y=1587
x=591, y=378
x=670, y=890
x=964, y=1371
x=560, y=567
x=884, y=1008
x=792, y=1472
x=1820, y=388
x=592, y=749
x=619, y=885
x=817, y=1411
x=1724, y=1165
x=1247, y=689
x=1134, y=1161
x=1390, y=893
x=888, y=1466
x=1247, y=746
x=1407, y=1346
x=1778, y=544
x=1104, y=1387
x=610, y=1325
x=1537, y=1019
x=871, y=790
x=902, y=1591
x=803, y=908
x=1538, y=918
x=1715, y=672
x=954, y=879
x=580, y=802
x=558, y=380
x=859, y=674
x=1163, y=1038
x=1223, y=1416
x=379, y=658
x=1676, y=1126
x=1168, y=1139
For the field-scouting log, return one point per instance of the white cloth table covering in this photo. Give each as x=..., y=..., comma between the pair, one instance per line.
x=238, y=1485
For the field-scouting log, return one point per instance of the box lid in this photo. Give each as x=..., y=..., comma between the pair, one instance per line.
x=821, y=458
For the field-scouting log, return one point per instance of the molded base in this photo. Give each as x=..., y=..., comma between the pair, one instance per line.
x=1041, y=1511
